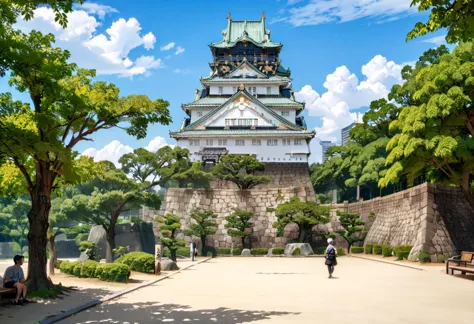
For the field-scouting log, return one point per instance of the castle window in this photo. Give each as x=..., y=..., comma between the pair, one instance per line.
x=286, y=142
x=194, y=143
x=209, y=142
x=222, y=142
x=272, y=142
x=285, y=113
x=269, y=90
x=221, y=90
x=199, y=113
x=240, y=142
x=297, y=141
x=256, y=142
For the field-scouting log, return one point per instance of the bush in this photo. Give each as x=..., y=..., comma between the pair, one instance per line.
x=341, y=251
x=65, y=267
x=386, y=250
x=296, y=252
x=278, y=251
x=259, y=251
x=236, y=251
x=117, y=272
x=223, y=251
x=77, y=268
x=357, y=249
x=58, y=264
x=369, y=248
x=319, y=251
x=138, y=261
x=402, y=251
x=424, y=257
x=89, y=248
x=183, y=252
x=88, y=269
x=81, y=237
x=378, y=249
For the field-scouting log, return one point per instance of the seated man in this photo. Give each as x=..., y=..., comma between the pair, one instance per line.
x=14, y=278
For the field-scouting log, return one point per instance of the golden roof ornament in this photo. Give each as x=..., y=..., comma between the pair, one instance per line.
x=241, y=87
x=228, y=16
x=263, y=15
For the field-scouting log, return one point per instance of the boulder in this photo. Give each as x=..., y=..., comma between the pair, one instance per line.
x=246, y=252
x=305, y=249
x=270, y=252
x=60, y=237
x=168, y=265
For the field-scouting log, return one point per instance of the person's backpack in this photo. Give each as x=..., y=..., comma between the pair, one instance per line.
x=331, y=254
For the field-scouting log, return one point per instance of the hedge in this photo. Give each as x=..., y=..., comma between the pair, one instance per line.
x=77, y=268
x=68, y=267
x=259, y=251
x=278, y=251
x=357, y=249
x=341, y=251
x=402, y=251
x=88, y=269
x=319, y=251
x=424, y=257
x=378, y=249
x=183, y=252
x=386, y=250
x=296, y=251
x=223, y=251
x=138, y=261
x=113, y=272
x=369, y=248
x=236, y=251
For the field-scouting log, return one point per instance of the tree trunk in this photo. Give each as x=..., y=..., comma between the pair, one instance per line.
x=38, y=237
x=203, y=244
x=466, y=188
x=173, y=255
x=302, y=234
x=243, y=242
x=52, y=254
x=109, y=257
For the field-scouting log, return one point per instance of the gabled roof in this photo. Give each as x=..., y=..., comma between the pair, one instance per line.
x=250, y=98
x=244, y=132
x=267, y=101
x=245, y=65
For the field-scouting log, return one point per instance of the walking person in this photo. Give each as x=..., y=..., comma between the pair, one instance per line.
x=15, y=278
x=191, y=250
x=331, y=254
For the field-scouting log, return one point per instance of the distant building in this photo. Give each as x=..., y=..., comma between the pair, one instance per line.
x=345, y=138
x=326, y=145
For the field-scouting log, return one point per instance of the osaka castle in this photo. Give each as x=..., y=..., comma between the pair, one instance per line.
x=246, y=105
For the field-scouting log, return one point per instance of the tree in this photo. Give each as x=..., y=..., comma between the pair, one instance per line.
x=68, y=107
x=240, y=170
x=351, y=224
x=238, y=223
x=203, y=226
x=436, y=132
x=15, y=215
x=454, y=15
x=305, y=214
x=169, y=229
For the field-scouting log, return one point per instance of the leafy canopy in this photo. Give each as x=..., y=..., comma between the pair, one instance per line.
x=238, y=222
x=203, y=224
x=170, y=225
x=351, y=224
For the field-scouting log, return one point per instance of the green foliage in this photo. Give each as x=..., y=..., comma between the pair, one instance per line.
x=182, y=252
x=424, y=257
x=258, y=251
x=238, y=223
x=278, y=251
x=402, y=251
x=241, y=170
x=296, y=252
x=319, y=250
x=81, y=237
x=138, y=261
x=357, y=249
x=454, y=15
x=116, y=272
x=203, y=224
x=69, y=267
x=304, y=214
x=352, y=227
x=386, y=250
x=236, y=251
x=136, y=220
x=169, y=228
x=14, y=222
x=88, y=269
x=369, y=248
x=120, y=251
x=89, y=248
x=77, y=269
x=57, y=265
x=340, y=252
x=44, y=293
x=378, y=249
x=223, y=251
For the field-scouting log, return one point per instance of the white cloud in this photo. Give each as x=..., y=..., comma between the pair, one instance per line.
x=110, y=152
x=97, y=9
x=437, y=40
x=345, y=93
x=168, y=46
x=179, y=50
x=108, y=53
x=157, y=143
x=182, y=71
x=315, y=12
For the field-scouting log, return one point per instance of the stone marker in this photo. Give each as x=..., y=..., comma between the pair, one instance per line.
x=60, y=237
x=168, y=265
x=246, y=252
x=84, y=257
x=305, y=249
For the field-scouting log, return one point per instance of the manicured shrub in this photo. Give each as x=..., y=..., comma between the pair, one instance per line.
x=65, y=267
x=223, y=251
x=236, y=251
x=357, y=249
x=58, y=264
x=424, y=257
x=341, y=251
x=369, y=248
x=296, y=252
x=117, y=272
x=182, y=252
x=88, y=269
x=278, y=251
x=76, y=270
x=386, y=250
x=402, y=251
x=259, y=251
x=319, y=251
x=378, y=249
x=138, y=261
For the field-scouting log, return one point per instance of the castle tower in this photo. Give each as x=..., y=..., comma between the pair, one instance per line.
x=246, y=106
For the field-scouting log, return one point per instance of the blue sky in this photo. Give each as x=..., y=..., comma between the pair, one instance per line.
x=358, y=49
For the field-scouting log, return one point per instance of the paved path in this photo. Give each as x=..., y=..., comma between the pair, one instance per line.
x=293, y=290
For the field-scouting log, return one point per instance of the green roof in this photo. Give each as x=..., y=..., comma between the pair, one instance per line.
x=268, y=101
x=242, y=132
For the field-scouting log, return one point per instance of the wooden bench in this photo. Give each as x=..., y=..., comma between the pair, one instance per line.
x=7, y=291
x=463, y=263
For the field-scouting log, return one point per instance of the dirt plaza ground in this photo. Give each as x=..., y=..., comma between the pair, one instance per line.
x=293, y=290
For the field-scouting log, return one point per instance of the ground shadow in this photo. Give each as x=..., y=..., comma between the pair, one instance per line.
x=155, y=312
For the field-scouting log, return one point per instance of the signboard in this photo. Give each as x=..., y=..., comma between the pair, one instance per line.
x=157, y=259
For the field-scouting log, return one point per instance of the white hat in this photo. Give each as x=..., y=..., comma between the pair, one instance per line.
x=329, y=240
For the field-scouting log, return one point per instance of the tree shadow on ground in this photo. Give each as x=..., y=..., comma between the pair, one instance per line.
x=155, y=312
x=40, y=309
